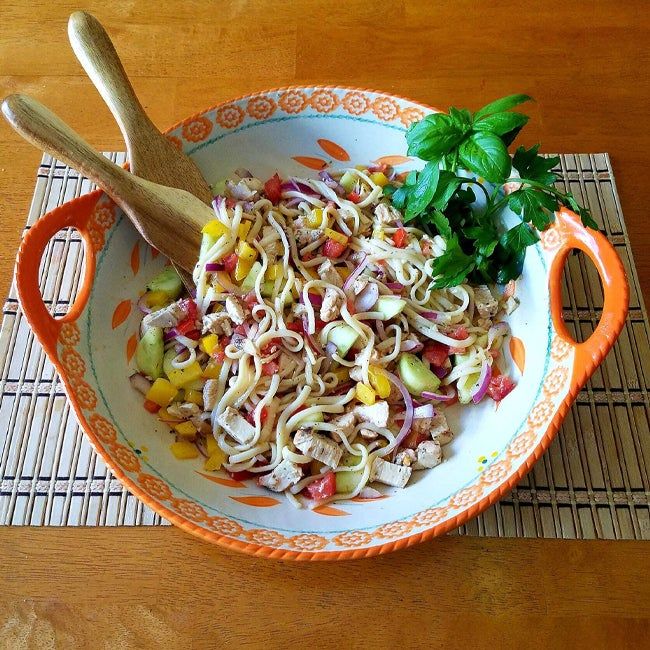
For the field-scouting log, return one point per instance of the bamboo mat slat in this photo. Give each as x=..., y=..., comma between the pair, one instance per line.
x=592, y=483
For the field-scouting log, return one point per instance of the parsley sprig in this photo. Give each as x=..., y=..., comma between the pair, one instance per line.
x=438, y=199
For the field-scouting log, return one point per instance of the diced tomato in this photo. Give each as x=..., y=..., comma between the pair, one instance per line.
x=270, y=348
x=273, y=189
x=240, y=476
x=263, y=415
x=189, y=322
x=350, y=305
x=322, y=488
x=296, y=326
x=355, y=197
x=499, y=387
x=219, y=353
x=459, y=333
x=231, y=203
x=305, y=257
x=413, y=439
x=240, y=329
x=436, y=353
x=400, y=238
x=230, y=262
x=250, y=299
x=271, y=368
x=333, y=249
x=150, y=406
x=195, y=335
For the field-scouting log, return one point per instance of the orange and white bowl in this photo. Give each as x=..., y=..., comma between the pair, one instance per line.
x=298, y=131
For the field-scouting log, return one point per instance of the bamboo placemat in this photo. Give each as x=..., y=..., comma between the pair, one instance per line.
x=592, y=483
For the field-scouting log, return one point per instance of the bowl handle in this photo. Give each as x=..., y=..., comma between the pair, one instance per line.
x=74, y=214
x=595, y=245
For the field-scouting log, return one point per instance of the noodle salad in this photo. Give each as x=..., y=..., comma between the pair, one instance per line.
x=316, y=356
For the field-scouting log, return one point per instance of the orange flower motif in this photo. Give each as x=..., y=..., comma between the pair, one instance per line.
x=193, y=511
x=103, y=429
x=496, y=472
x=293, y=101
x=125, y=458
x=69, y=334
x=324, y=101
x=540, y=414
x=261, y=107
x=522, y=444
x=85, y=395
x=430, y=516
x=394, y=529
x=353, y=538
x=356, y=103
x=230, y=116
x=410, y=115
x=197, y=129
x=555, y=381
x=551, y=239
x=104, y=215
x=177, y=142
x=96, y=237
x=73, y=362
x=154, y=486
x=265, y=537
x=308, y=542
x=467, y=497
x=385, y=109
x=559, y=348
x=225, y=526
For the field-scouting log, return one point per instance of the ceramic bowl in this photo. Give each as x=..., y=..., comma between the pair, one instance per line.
x=300, y=131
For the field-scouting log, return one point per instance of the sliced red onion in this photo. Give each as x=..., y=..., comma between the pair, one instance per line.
x=315, y=299
x=500, y=329
x=142, y=305
x=293, y=185
x=434, y=316
x=247, y=206
x=292, y=203
x=509, y=290
x=395, y=287
x=330, y=349
x=140, y=383
x=331, y=183
x=480, y=388
x=370, y=493
x=211, y=267
x=240, y=191
x=217, y=203
x=411, y=346
x=347, y=285
x=408, y=413
x=170, y=334
x=440, y=371
x=308, y=335
x=198, y=443
x=366, y=300
x=242, y=172
x=439, y=397
x=424, y=411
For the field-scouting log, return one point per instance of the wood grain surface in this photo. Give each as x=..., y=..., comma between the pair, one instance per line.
x=587, y=64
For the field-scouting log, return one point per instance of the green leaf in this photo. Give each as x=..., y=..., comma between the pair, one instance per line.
x=519, y=237
x=486, y=155
x=441, y=223
x=400, y=197
x=448, y=183
x=501, y=123
x=452, y=267
x=423, y=191
x=433, y=137
x=503, y=104
x=583, y=213
x=461, y=118
x=531, y=165
x=533, y=205
x=510, y=268
x=485, y=239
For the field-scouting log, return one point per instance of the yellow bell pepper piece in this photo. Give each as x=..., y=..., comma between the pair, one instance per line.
x=315, y=218
x=242, y=269
x=185, y=430
x=180, y=377
x=209, y=343
x=344, y=271
x=379, y=381
x=246, y=252
x=378, y=233
x=379, y=178
x=342, y=373
x=194, y=396
x=212, y=370
x=161, y=392
x=244, y=229
x=274, y=271
x=184, y=450
x=156, y=299
x=165, y=416
x=214, y=228
x=211, y=445
x=336, y=236
x=215, y=460
x=365, y=394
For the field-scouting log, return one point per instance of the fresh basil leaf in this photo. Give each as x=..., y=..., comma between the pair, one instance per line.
x=509, y=137
x=411, y=178
x=441, y=223
x=423, y=191
x=501, y=123
x=486, y=155
x=433, y=137
x=466, y=195
x=503, y=104
x=519, y=237
x=461, y=118
x=400, y=197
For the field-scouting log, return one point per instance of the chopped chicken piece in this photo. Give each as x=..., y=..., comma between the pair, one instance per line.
x=331, y=307
x=486, y=303
x=283, y=476
x=344, y=423
x=274, y=247
x=210, y=390
x=356, y=374
x=235, y=425
x=298, y=309
x=386, y=214
x=169, y=316
x=303, y=233
x=389, y=473
x=245, y=190
x=376, y=414
x=440, y=430
x=183, y=411
x=218, y=323
x=202, y=425
x=360, y=284
x=368, y=434
x=237, y=309
x=406, y=457
x=485, y=323
x=429, y=454
x=318, y=447
x=327, y=272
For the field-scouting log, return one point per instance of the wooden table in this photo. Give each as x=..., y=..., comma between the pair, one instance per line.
x=587, y=66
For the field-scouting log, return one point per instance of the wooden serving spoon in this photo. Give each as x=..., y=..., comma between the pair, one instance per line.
x=151, y=155
x=168, y=218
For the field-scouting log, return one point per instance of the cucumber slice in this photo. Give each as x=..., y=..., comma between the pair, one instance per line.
x=149, y=352
x=311, y=417
x=348, y=181
x=415, y=375
x=343, y=337
x=248, y=284
x=464, y=385
x=389, y=306
x=348, y=481
x=168, y=282
x=167, y=361
x=207, y=242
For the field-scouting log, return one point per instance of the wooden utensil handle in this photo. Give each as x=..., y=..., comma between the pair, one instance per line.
x=97, y=55
x=42, y=128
